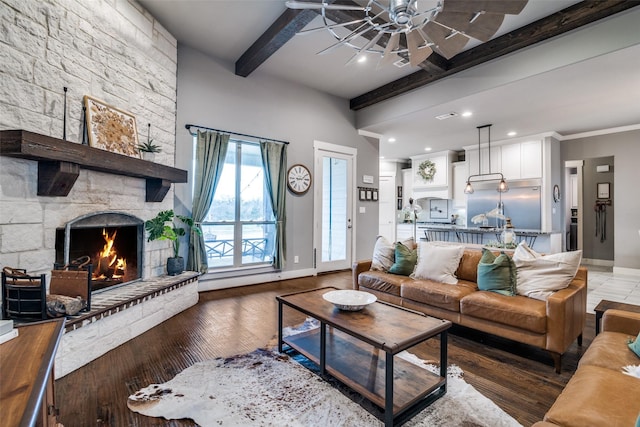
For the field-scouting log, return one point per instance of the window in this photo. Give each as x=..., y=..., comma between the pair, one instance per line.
x=239, y=228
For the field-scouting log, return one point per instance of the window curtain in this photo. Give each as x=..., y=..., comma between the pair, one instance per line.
x=274, y=161
x=211, y=151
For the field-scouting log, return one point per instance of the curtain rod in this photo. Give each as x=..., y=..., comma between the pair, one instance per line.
x=188, y=127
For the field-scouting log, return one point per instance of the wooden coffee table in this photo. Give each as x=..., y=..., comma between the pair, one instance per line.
x=605, y=305
x=347, y=346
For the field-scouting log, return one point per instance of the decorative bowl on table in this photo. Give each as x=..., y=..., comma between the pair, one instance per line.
x=350, y=300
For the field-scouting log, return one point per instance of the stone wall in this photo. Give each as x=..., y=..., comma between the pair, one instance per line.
x=113, y=50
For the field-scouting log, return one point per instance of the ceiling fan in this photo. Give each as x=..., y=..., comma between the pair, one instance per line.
x=412, y=29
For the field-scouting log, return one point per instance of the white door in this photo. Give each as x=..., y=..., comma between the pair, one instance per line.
x=387, y=207
x=333, y=206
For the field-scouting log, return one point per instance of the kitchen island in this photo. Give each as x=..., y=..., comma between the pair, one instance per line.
x=540, y=241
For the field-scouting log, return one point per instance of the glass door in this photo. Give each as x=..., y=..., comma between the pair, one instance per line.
x=334, y=211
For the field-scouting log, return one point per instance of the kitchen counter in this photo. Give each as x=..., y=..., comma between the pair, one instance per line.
x=540, y=241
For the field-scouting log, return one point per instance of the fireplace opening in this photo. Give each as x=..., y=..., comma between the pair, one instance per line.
x=112, y=240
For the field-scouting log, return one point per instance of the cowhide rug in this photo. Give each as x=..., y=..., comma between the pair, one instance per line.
x=265, y=388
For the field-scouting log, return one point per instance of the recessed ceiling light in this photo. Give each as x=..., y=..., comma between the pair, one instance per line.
x=362, y=58
x=467, y=114
x=382, y=157
x=391, y=140
x=427, y=149
x=512, y=133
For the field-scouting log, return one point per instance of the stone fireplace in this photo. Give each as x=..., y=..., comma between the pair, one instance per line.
x=113, y=241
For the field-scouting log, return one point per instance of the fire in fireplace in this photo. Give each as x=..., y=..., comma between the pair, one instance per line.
x=112, y=240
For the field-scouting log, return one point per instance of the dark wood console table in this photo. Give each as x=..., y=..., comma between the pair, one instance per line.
x=27, y=396
x=59, y=164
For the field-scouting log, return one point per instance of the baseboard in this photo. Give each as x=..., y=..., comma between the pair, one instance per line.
x=598, y=262
x=626, y=271
x=205, y=284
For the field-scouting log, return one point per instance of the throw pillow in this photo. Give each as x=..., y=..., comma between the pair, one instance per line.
x=405, y=260
x=635, y=345
x=538, y=276
x=383, y=255
x=438, y=262
x=497, y=273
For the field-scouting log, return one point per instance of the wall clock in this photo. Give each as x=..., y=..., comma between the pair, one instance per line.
x=299, y=179
x=556, y=193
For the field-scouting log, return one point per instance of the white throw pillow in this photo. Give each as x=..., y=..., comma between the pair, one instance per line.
x=538, y=276
x=438, y=262
x=384, y=254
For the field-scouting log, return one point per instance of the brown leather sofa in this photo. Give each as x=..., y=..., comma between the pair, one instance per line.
x=599, y=394
x=552, y=325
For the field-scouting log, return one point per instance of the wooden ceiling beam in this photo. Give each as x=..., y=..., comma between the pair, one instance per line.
x=568, y=19
x=281, y=31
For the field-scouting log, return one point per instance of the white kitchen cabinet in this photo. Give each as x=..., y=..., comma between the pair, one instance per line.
x=404, y=231
x=472, y=161
x=531, y=159
x=511, y=161
x=460, y=174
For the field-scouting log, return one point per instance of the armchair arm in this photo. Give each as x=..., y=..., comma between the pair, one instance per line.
x=357, y=268
x=621, y=321
x=567, y=313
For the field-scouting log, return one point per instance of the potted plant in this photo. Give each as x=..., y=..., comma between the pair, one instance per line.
x=148, y=150
x=165, y=227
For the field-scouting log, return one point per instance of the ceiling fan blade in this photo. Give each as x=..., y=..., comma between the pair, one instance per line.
x=346, y=39
x=309, y=5
x=388, y=56
x=416, y=53
x=483, y=27
x=344, y=24
x=511, y=7
x=446, y=44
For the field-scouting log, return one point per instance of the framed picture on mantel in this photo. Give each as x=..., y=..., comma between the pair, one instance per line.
x=110, y=128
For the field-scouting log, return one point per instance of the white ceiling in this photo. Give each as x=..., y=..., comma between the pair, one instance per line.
x=569, y=90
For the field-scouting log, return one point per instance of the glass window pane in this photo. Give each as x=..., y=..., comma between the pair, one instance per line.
x=257, y=243
x=334, y=209
x=218, y=240
x=223, y=207
x=254, y=205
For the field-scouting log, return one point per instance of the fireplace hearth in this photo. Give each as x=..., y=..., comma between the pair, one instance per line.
x=112, y=240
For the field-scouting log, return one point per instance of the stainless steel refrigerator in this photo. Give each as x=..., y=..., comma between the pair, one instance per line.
x=521, y=203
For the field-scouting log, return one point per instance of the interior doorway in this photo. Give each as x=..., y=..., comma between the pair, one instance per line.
x=334, y=225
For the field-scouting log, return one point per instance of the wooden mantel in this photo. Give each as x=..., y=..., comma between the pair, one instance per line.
x=59, y=164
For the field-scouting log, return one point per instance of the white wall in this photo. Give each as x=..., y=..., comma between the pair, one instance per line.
x=625, y=148
x=113, y=50
x=210, y=94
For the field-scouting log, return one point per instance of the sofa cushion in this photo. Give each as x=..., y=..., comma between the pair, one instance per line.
x=405, y=260
x=538, y=276
x=518, y=311
x=381, y=281
x=383, y=254
x=437, y=294
x=609, y=350
x=438, y=262
x=634, y=345
x=497, y=273
x=597, y=396
x=468, y=266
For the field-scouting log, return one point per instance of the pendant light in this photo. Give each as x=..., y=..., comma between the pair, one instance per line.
x=502, y=185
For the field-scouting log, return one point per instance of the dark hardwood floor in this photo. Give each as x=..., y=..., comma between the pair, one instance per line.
x=518, y=378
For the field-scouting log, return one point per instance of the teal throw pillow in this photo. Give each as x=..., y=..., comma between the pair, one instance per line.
x=497, y=273
x=635, y=345
x=405, y=260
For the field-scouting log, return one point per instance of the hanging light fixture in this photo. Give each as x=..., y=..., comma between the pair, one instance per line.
x=502, y=185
